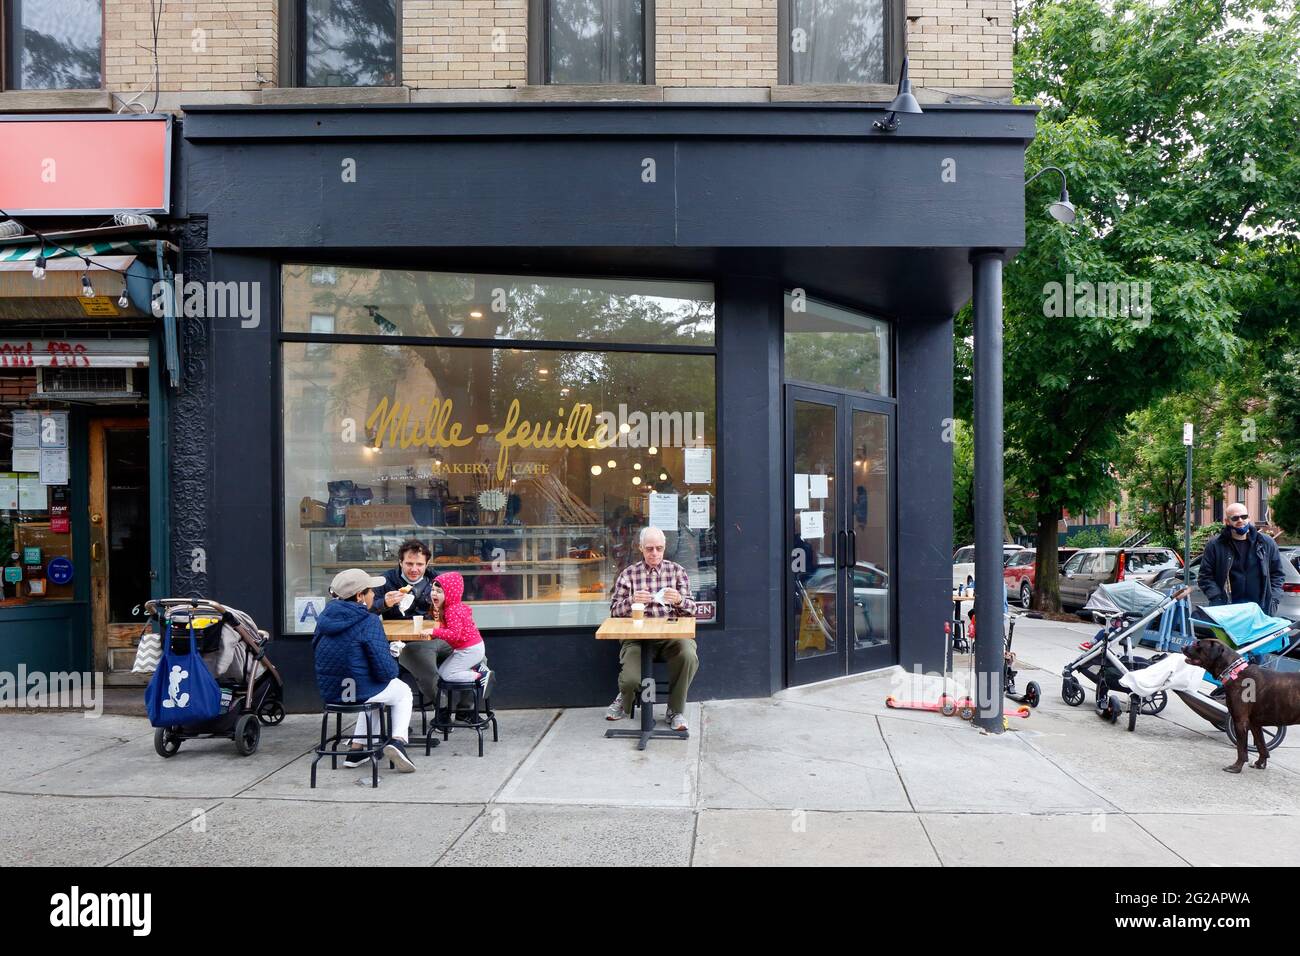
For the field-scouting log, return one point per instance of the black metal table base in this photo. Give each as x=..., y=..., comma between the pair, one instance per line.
x=645, y=735
x=648, y=729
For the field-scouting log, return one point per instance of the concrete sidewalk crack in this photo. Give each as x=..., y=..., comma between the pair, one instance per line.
x=165, y=833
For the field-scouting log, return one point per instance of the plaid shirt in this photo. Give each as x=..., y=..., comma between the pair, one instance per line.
x=641, y=577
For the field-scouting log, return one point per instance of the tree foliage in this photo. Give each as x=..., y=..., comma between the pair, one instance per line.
x=1177, y=132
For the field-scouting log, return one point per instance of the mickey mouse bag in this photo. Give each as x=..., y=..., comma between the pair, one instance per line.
x=182, y=691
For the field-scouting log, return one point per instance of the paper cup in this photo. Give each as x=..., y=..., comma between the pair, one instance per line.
x=417, y=623
x=638, y=611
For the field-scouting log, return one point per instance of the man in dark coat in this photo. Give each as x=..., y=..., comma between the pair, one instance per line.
x=1241, y=565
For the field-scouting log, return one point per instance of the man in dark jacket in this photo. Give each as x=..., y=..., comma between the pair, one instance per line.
x=1241, y=565
x=412, y=564
x=354, y=664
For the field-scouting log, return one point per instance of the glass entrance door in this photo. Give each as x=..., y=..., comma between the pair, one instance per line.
x=120, y=562
x=840, y=507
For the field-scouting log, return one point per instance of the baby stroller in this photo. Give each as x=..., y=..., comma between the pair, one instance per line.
x=1124, y=609
x=234, y=651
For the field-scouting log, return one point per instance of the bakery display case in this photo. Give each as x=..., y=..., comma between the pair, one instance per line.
x=508, y=569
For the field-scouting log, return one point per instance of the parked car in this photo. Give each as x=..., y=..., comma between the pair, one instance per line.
x=963, y=563
x=1290, y=606
x=1093, y=566
x=870, y=600
x=1019, y=573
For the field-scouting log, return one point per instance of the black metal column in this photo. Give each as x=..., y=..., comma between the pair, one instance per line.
x=989, y=633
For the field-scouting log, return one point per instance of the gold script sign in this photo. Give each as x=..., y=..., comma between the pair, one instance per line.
x=428, y=422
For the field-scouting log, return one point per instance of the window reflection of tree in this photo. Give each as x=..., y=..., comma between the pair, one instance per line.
x=350, y=43
x=595, y=41
x=845, y=41
x=59, y=44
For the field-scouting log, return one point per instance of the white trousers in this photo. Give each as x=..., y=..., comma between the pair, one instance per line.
x=398, y=694
x=458, y=667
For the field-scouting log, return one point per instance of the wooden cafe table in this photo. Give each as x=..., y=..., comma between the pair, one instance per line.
x=405, y=630
x=647, y=629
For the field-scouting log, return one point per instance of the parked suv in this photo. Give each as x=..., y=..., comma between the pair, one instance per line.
x=1288, y=608
x=1093, y=566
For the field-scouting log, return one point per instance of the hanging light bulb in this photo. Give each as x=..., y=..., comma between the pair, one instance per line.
x=123, y=301
x=86, y=288
x=38, y=270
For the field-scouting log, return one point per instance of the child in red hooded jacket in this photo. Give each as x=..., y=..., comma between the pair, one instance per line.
x=457, y=628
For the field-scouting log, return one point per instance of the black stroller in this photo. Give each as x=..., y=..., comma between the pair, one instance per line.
x=234, y=650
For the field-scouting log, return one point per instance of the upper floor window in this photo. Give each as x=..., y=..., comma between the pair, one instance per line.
x=347, y=42
x=593, y=41
x=841, y=41
x=53, y=44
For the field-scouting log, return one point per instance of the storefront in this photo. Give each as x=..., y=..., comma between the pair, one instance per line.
x=86, y=368
x=521, y=333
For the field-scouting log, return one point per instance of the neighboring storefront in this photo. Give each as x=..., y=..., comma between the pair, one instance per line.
x=522, y=333
x=85, y=373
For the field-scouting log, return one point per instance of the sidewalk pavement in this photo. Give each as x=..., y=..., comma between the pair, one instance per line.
x=822, y=775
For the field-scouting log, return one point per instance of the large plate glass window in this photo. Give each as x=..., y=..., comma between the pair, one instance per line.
x=54, y=44
x=348, y=42
x=595, y=41
x=528, y=470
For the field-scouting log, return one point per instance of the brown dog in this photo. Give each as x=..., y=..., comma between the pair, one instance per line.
x=1257, y=697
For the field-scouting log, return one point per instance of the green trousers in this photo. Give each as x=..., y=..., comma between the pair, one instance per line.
x=683, y=661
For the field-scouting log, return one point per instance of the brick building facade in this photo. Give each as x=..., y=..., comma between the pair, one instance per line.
x=479, y=50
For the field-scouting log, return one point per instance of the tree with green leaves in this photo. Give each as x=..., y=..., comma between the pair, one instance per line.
x=1234, y=443
x=1176, y=128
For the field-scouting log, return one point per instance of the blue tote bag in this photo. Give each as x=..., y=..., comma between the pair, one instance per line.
x=182, y=691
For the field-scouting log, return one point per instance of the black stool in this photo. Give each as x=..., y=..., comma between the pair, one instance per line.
x=333, y=747
x=444, y=720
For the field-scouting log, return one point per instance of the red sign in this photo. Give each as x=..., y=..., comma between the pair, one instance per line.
x=85, y=164
x=59, y=523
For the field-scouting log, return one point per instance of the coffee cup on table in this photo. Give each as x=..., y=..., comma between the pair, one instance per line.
x=417, y=622
x=638, y=611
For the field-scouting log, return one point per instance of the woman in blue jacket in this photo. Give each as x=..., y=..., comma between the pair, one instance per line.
x=354, y=663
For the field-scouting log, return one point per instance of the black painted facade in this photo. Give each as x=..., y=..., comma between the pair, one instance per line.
x=757, y=199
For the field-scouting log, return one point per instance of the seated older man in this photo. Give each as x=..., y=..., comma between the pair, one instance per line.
x=665, y=589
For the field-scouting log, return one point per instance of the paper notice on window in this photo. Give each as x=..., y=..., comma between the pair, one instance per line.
x=27, y=429
x=54, y=466
x=8, y=493
x=697, y=511
x=810, y=525
x=663, y=511
x=54, y=430
x=699, y=466
x=27, y=459
x=31, y=494
x=800, y=492
x=818, y=487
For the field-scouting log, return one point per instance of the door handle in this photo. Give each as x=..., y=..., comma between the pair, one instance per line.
x=841, y=548
x=94, y=551
x=853, y=549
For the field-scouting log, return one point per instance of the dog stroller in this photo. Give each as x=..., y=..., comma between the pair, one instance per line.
x=1260, y=639
x=234, y=651
x=1124, y=608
